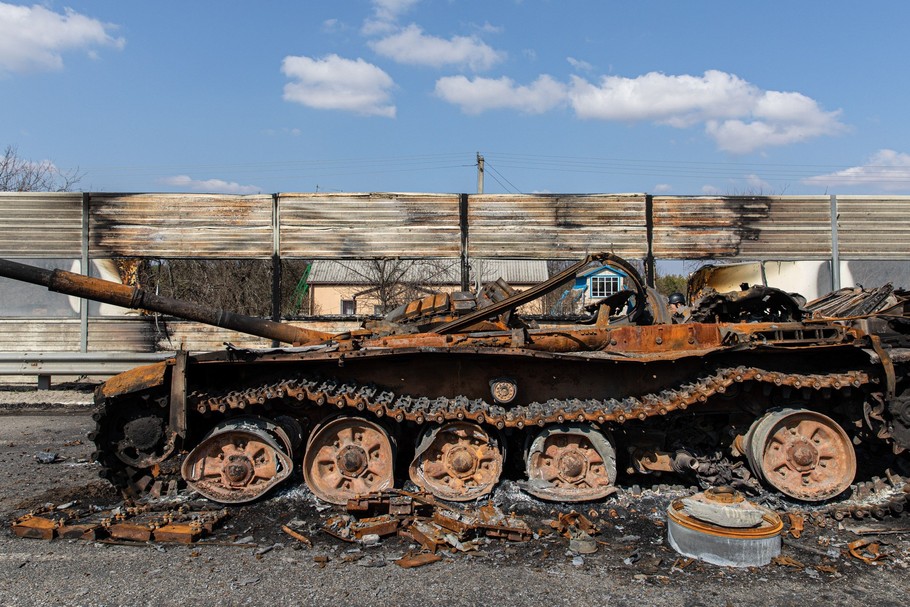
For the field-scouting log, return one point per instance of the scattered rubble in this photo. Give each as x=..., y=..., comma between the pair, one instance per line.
x=437, y=530
x=129, y=523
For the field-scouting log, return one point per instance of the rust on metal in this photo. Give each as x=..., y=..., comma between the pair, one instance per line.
x=35, y=527
x=802, y=453
x=131, y=531
x=182, y=533
x=348, y=457
x=240, y=460
x=134, y=380
x=298, y=536
x=867, y=550
x=453, y=379
x=96, y=289
x=571, y=463
x=770, y=526
x=458, y=461
x=410, y=560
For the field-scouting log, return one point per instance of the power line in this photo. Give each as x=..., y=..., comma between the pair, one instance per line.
x=496, y=179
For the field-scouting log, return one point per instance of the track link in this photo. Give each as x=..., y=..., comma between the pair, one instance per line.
x=347, y=395
x=422, y=409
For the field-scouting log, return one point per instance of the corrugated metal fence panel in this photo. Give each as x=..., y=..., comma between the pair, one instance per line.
x=180, y=225
x=556, y=226
x=197, y=337
x=762, y=227
x=121, y=334
x=340, y=226
x=39, y=335
x=40, y=224
x=873, y=227
x=62, y=335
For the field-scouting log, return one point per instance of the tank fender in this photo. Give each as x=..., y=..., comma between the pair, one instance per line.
x=134, y=380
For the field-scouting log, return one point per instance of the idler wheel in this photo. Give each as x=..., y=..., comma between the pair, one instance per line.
x=570, y=463
x=457, y=461
x=801, y=453
x=347, y=457
x=144, y=442
x=240, y=460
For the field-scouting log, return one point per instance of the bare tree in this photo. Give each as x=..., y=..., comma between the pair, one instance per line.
x=243, y=286
x=18, y=174
x=391, y=282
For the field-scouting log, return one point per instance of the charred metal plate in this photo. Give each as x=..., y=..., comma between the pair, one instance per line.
x=140, y=378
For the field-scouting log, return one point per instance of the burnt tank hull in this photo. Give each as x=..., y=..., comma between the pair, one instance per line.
x=748, y=389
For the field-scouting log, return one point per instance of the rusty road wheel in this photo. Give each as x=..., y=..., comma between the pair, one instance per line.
x=240, y=460
x=347, y=457
x=458, y=461
x=801, y=453
x=570, y=463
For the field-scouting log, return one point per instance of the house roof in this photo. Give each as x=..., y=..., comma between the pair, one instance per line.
x=432, y=272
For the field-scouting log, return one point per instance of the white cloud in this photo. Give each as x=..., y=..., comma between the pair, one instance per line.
x=739, y=116
x=481, y=94
x=385, y=15
x=757, y=185
x=412, y=46
x=35, y=38
x=578, y=65
x=393, y=8
x=332, y=26
x=777, y=119
x=710, y=190
x=886, y=170
x=213, y=186
x=679, y=101
x=488, y=28
x=335, y=83
x=663, y=188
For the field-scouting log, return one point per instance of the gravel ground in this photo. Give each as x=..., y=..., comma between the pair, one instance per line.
x=634, y=566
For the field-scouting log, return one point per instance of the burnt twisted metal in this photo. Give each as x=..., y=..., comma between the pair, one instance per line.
x=750, y=378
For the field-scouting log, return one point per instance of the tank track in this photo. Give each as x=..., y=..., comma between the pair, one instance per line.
x=347, y=395
x=423, y=409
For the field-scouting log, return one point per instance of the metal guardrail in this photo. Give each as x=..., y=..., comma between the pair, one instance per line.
x=94, y=364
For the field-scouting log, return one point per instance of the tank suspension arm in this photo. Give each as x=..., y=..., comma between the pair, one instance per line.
x=125, y=296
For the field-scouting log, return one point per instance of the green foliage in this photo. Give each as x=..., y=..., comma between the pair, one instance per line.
x=671, y=283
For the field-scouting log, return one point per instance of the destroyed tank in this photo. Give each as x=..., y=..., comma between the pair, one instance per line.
x=457, y=392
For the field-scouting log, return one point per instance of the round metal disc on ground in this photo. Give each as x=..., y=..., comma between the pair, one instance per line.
x=239, y=460
x=730, y=547
x=458, y=461
x=801, y=453
x=347, y=457
x=570, y=463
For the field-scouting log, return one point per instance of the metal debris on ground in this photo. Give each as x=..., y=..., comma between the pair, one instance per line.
x=418, y=517
x=796, y=525
x=419, y=559
x=786, y=561
x=130, y=523
x=879, y=498
x=297, y=536
x=579, y=530
x=734, y=544
x=866, y=550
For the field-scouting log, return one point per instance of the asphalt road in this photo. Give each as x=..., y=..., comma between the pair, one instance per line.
x=633, y=567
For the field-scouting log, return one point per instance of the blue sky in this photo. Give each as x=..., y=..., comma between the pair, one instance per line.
x=689, y=98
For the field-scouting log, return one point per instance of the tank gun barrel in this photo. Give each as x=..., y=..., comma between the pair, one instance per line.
x=96, y=289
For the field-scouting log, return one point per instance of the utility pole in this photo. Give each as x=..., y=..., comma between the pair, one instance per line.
x=479, y=173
